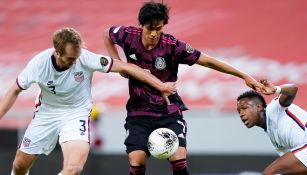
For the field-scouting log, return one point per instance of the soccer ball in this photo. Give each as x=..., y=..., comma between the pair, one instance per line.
x=162, y=143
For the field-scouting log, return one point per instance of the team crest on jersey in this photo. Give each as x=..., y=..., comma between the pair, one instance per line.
x=189, y=48
x=160, y=63
x=79, y=76
x=26, y=142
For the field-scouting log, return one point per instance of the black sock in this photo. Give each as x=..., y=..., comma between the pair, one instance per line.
x=180, y=167
x=137, y=170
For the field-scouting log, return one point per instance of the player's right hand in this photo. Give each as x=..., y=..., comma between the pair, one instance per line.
x=168, y=89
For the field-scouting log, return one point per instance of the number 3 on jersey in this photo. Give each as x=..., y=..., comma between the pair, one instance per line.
x=52, y=89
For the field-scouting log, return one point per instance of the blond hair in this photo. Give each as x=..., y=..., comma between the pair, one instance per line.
x=66, y=35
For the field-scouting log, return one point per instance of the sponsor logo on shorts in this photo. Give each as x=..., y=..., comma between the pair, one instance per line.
x=26, y=142
x=79, y=77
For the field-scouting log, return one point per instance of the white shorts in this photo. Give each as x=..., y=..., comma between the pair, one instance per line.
x=44, y=131
x=301, y=153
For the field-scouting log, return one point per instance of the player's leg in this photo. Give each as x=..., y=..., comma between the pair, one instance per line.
x=178, y=161
x=287, y=164
x=138, y=130
x=75, y=153
x=40, y=138
x=74, y=140
x=22, y=163
x=137, y=160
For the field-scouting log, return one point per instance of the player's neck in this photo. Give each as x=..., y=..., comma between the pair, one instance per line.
x=149, y=46
x=57, y=63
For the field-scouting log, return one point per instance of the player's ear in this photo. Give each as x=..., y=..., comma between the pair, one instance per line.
x=259, y=107
x=56, y=54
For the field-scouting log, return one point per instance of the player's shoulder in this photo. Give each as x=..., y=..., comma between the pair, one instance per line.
x=42, y=57
x=132, y=30
x=44, y=54
x=168, y=39
x=87, y=55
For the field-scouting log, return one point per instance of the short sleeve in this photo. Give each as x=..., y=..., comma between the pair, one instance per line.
x=28, y=76
x=116, y=34
x=186, y=53
x=274, y=109
x=96, y=62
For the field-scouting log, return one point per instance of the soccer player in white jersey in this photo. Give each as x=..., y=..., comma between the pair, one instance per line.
x=64, y=74
x=284, y=123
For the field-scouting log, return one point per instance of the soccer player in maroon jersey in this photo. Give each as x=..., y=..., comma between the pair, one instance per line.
x=160, y=54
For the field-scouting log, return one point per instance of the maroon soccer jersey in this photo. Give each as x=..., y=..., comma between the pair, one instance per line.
x=162, y=61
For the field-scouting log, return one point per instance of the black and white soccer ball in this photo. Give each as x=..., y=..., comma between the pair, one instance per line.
x=162, y=143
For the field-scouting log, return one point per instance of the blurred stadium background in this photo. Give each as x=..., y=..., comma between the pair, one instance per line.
x=265, y=38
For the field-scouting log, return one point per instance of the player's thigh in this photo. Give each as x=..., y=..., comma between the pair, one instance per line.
x=74, y=139
x=177, y=124
x=75, y=152
x=40, y=137
x=286, y=164
x=23, y=160
x=137, y=132
x=76, y=127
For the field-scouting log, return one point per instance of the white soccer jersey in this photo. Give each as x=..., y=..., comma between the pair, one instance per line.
x=286, y=126
x=63, y=91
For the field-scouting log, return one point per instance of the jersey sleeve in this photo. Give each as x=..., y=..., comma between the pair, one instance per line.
x=186, y=53
x=274, y=109
x=96, y=62
x=116, y=34
x=28, y=75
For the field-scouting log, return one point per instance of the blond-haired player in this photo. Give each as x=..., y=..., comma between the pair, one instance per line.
x=64, y=74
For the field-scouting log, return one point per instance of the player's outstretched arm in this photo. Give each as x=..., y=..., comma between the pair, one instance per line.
x=287, y=91
x=218, y=65
x=9, y=99
x=167, y=88
x=110, y=46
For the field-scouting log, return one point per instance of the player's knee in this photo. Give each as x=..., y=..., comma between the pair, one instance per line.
x=19, y=167
x=73, y=170
x=137, y=158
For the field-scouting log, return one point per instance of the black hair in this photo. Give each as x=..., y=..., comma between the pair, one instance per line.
x=253, y=95
x=153, y=12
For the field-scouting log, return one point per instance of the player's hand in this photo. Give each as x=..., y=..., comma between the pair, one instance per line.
x=168, y=89
x=254, y=84
x=124, y=75
x=269, y=87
